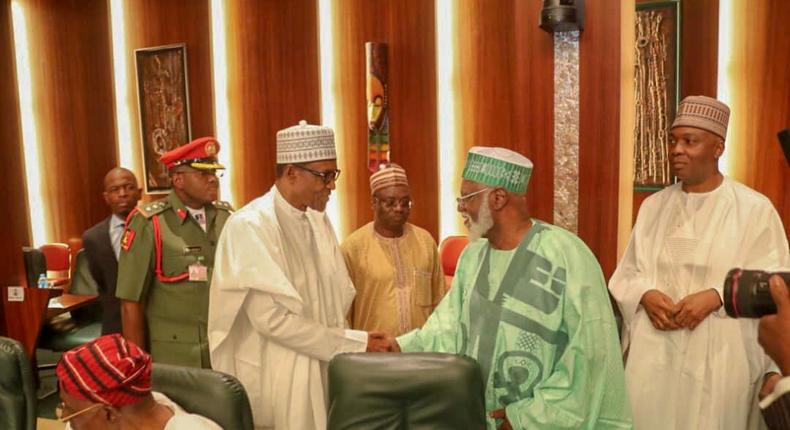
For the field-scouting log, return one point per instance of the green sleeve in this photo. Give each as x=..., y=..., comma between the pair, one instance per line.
x=136, y=263
x=586, y=389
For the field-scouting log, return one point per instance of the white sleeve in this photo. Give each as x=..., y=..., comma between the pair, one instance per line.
x=782, y=387
x=277, y=324
x=628, y=283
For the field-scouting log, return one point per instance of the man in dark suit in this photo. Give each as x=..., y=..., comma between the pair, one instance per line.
x=774, y=336
x=102, y=242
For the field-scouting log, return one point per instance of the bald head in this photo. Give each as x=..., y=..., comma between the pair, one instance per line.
x=121, y=191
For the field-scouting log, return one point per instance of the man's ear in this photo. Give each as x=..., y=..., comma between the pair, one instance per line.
x=111, y=414
x=719, y=147
x=498, y=198
x=290, y=173
x=105, y=194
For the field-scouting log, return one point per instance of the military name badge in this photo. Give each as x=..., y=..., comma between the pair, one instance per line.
x=198, y=272
x=126, y=240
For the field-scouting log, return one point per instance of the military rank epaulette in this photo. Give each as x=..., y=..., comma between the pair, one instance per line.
x=150, y=209
x=219, y=204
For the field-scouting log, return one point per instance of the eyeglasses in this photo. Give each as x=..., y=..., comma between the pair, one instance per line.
x=390, y=204
x=62, y=406
x=205, y=174
x=463, y=199
x=327, y=176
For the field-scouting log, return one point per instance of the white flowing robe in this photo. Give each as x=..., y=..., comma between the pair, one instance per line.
x=683, y=243
x=277, y=310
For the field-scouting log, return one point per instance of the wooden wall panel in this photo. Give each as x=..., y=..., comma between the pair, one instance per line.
x=505, y=88
x=760, y=99
x=154, y=23
x=699, y=47
x=16, y=231
x=408, y=28
x=413, y=115
x=599, y=130
x=274, y=82
x=73, y=104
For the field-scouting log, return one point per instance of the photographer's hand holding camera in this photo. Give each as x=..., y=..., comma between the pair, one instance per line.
x=774, y=330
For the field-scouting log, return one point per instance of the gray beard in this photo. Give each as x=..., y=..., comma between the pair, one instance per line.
x=479, y=228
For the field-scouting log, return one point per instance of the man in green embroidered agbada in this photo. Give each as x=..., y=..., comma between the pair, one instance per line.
x=530, y=304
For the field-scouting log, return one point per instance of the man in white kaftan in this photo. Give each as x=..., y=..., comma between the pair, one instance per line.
x=684, y=368
x=280, y=289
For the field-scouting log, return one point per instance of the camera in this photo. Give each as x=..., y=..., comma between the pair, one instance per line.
x=747, y=295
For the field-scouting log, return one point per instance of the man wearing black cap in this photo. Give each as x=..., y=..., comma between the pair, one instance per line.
x=167, y=256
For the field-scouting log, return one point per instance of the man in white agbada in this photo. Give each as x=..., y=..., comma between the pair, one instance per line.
x=689, y=366
x=280, y=290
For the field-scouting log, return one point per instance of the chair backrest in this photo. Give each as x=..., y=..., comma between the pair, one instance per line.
x=58, y=257
x=82, y=282
x=205, y=392
x=35, y=265
x=449, y=251
x=17, y=389
x=405, y=391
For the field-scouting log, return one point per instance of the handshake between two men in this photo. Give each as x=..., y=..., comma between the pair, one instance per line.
x=379, y=341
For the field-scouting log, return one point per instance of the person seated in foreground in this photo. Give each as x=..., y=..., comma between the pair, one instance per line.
x=106, y=384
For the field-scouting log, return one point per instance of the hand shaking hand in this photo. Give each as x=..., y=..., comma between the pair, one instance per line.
x=382, y=342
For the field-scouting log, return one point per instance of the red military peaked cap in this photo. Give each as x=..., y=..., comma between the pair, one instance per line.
x=200, y=154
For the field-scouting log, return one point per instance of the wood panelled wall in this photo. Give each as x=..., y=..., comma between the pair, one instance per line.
x=505, y=89
x=408, y=27
x=73, y=103
x=154, y=23
x=760, y=99
x=16, y=231
x=274, y=81
x=699, y=50
x=599, y=130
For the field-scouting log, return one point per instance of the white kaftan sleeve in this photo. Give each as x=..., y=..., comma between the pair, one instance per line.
x=277, y=324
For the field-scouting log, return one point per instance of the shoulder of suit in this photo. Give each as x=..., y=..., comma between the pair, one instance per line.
x=219, y=204
x=153, y=208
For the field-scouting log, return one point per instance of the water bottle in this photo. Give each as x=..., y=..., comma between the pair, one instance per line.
x=42, y=281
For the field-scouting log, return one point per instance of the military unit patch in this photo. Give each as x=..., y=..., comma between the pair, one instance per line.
x=126, y=240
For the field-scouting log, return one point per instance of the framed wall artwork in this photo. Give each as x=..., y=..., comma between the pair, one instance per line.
x=657, y=83
x=163, y=95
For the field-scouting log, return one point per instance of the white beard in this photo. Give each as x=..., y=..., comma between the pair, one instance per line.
x=484, y=221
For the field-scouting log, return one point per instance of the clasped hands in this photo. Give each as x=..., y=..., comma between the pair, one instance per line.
x=688, y=313
x=382, y=342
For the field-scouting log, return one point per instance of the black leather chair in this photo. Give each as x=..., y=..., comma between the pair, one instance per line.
x=82, y=283
x=205, y=392
x=63, y=334
x=17, y=390
x=35, y=265
x=405, y=391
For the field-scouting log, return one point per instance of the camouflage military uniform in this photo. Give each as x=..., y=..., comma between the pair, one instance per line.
x=176, y=309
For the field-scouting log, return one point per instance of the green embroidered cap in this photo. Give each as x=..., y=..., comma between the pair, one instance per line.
x=498, y=167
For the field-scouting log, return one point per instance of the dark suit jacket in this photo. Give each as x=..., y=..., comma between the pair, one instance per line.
x=777, y=414
x=104, y=268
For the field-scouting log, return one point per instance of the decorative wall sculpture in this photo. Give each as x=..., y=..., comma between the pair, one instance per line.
x=164, y=108
x=378, y=104
x=656, y=81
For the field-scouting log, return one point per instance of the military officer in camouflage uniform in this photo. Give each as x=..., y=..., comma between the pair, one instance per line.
x=167, y=256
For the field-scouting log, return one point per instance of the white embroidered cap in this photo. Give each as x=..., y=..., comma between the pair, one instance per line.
x=305, y=143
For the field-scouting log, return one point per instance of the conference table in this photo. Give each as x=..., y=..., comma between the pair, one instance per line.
x=26, y=314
